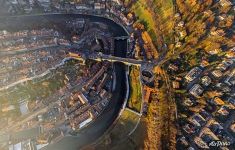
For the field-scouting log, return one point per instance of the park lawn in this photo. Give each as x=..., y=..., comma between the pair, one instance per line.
x=166, y=13
x=135, y=99
x=144, y=15
x=126, y=124
x=119, y=133
x=135, y=140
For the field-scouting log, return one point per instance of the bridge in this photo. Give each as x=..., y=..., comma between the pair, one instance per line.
x=121, y=37
x=102, y=57
x=146, y=67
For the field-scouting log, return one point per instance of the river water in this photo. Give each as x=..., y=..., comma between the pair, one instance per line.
x=96, y=129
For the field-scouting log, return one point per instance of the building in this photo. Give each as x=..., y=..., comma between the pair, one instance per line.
x=183, y=34
x=97, y=6
x=188, y=102
x=197, y=120
x=200, y=143
x=85, y=122
x=24, y=109
x=26, y=134
x=217, y=73
x=218, y=101
x=193, y=74
x=214, y=51
x=45, y=3
x=83, y=98
x=225, y=3
x=232, y=127
x=24, y=145
x=196, y=90
x=173, y=67
x=230, y=80
x=223, y=111
x=175, y=84
x=181, y=24
x=8, y=108
x=206, y=81
x=231, y=100
x=103, y=94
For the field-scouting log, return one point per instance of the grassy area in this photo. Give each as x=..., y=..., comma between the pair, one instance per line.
x=134, y=141
x=135, y=99
x=119, y=134
x=144, y=14
x=145, y=17
x=157, y=16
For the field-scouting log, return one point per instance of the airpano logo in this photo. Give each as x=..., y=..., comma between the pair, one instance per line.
x=219, y=143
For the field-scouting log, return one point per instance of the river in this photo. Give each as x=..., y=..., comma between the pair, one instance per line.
x=96, y=129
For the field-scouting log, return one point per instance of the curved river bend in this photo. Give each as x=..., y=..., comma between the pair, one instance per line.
x=96, y=129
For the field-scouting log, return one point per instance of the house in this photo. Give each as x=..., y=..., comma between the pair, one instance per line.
x=177, y=15
x=189, y=128
x=173, y=67
x=225, y=3
x=178, y=44
x=225, y=64
x=28, y=144
x=182, y=34
x=222, y=67
x=97, y=6
x=223, y=111
x=214, y=51
x=207, y=131
x=207, y=138
x=206, y=81
x=225, y=89
x=233, y=49
x=8, y=108
x=230, y=80
x=215, y=127
x=198, y=120
x=222, y=17
x=205, y=114
x=183, y=141
x=230, y=54
x=217, y=73
x=193, y=74
x=24, y=109
x=181, y=24
x=204, y=63
x=103, y=94
x=219, y=32
x=208, y=13
x=200, y=143
x=231, y=100
x=175, y=84
x=27, y=133
x=232, y=127
x=44, y=3
x=83, y=98
x=188, y=102
x=196, y=90
x=218, y=101
x=194, y=122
